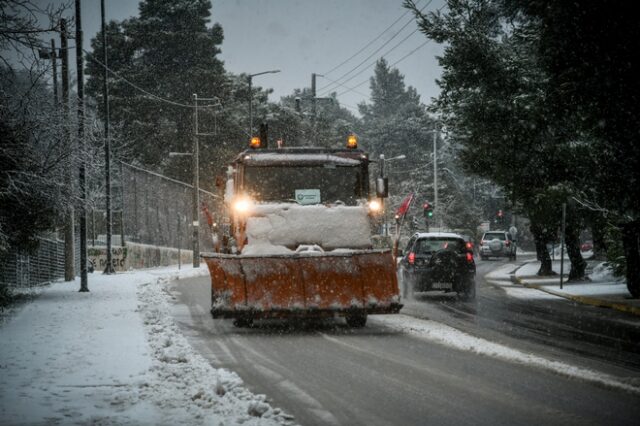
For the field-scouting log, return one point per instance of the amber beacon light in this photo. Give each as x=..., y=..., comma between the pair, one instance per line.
x=255, y=142
x=352, y=142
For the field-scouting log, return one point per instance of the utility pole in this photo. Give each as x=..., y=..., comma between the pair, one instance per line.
x=122, y=241
x=82, y=175
x=436, y=206
x=44, y=54
x=69, y=224
x=564, y=221
x=383, y=205
x=250, y=108
x=54, y=64
x=196, y=186
x=313, y=107
x=107, y=145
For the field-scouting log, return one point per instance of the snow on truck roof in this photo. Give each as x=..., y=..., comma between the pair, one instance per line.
x=339, y=157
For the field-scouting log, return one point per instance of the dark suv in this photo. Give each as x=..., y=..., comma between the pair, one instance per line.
x=438, y=261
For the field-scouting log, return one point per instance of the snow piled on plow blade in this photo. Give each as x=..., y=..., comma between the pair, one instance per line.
x=279, y=228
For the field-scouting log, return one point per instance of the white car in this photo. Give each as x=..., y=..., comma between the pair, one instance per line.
x=497, y=244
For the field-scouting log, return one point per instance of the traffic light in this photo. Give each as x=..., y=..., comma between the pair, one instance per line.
x=428, y=210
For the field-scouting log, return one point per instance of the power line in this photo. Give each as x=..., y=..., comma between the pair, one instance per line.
x=349, y=89
x=323, y=89
x=158, y=98
x=342, y=85
x=395, y=63
x=135, y=86
x=368, y=44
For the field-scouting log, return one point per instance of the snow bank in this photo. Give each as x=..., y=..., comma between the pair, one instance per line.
x=448, y=336
x=184, y=384
x=274, y=227
x=603, y=272
x=114, y=356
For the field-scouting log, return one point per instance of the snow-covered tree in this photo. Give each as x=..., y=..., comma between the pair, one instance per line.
x=494, y=102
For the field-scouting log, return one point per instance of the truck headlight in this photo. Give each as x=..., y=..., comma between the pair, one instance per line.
x=375, y=206
x=242, y=205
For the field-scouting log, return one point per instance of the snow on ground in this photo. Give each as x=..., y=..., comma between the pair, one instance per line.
x=530, y=269
x=451, y=337
x=602, y=272
x=602, y=284
x=115, y=356
x=502, y=273
x=528, y=293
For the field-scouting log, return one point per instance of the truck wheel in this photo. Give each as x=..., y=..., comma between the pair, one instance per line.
x=356, y=320
x=243, y=322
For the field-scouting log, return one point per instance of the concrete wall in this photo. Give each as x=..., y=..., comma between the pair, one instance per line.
x=137, y=256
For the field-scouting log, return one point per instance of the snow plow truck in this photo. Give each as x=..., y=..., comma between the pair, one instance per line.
x=297, y=238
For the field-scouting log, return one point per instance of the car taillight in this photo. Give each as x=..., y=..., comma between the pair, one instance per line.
x=506, y=243
x=483, y=242
x=412, y=258
x=469, y=257
x=469, y=245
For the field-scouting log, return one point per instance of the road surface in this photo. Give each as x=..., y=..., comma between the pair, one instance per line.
x=324, y=373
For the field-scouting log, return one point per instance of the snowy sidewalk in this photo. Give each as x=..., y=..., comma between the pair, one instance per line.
x=115, y=356
x=603, y=290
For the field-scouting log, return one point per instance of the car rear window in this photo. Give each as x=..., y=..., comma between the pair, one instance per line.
x=494, y=236
x=430, y=245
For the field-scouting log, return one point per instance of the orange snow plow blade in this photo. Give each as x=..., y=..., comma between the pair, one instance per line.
x=303, y=285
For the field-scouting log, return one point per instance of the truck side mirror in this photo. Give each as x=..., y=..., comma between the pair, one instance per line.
x=382, y=187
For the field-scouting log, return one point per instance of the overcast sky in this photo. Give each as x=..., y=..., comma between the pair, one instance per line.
x=301, y=37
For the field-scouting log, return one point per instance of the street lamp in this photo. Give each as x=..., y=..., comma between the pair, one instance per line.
x=251, y=97
x=384, y=160
x=435, y=173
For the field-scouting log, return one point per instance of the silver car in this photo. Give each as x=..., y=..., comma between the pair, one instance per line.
x=497, y=244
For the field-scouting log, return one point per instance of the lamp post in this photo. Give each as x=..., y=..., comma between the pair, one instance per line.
x=196, y=174
x=250, y=76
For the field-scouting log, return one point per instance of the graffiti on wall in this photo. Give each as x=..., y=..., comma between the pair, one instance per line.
x=98, y=258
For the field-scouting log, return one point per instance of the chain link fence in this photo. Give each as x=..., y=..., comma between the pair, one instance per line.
x=157, y=210
x=148, y=208
x=45, y=265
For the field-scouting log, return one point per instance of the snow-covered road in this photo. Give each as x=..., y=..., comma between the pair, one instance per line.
x=400, y=370
x=142, y=348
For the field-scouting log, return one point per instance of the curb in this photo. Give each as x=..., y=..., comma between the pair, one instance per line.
x=581, y=299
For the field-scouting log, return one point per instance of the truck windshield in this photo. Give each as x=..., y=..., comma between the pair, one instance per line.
x=279, y=183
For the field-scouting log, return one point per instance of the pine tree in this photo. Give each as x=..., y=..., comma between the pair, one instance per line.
x=169, y=51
